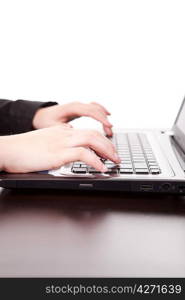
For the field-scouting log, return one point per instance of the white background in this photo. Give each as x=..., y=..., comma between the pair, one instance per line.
x=127, y=54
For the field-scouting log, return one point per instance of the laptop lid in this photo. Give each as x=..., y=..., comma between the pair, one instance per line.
x=179, y=127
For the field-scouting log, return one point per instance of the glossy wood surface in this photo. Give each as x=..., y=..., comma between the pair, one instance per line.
x=80, y=234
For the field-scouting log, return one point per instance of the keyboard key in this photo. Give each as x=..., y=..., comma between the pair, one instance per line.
x=140, y=165
x=126, y=166
x=155, y=171
x=79, y=170
x=126, y=171
x=125, y=160
x=93, y=170
x=110, y=165
x=153, y=168
x=141, y=171
x=151, y=157
x=139, y=160
x=76, y=165
x=151, y=161
x=138, y=157
x=123, y=151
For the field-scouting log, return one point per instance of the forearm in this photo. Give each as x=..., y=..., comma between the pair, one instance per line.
x=17, y=116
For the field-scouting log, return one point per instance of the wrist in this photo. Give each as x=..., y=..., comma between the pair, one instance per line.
x=4, y=142
x=37, y=117
x=42, y=117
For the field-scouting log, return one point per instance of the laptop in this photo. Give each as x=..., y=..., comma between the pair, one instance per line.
x=152, y=161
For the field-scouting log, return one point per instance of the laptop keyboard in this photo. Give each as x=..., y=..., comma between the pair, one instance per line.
x=135, y=153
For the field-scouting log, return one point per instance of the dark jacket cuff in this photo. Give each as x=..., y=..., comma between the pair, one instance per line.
x=21, y=113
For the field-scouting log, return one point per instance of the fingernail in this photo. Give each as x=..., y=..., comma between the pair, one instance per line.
x=104, y=168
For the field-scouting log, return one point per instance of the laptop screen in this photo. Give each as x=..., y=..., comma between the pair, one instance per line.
x=179, y=126
x=181, y=119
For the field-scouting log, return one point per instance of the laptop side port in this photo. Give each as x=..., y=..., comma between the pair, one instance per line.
x=166, y=186
x=146, y=187
x=182, y=189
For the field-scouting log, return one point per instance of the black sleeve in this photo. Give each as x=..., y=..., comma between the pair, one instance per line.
x=16, y=116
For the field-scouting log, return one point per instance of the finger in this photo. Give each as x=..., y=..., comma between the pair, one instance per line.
x=90, y=110
x=97, y=142
x=99, y=116
x=102, y=107
x=108, y=130
x=85, y=155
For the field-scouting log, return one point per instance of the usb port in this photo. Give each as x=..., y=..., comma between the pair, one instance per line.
x=146, y=187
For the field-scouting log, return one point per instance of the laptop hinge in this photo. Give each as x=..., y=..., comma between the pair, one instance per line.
x=179, y=153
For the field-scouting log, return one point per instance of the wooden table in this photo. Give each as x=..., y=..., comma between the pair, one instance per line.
x=81, y=234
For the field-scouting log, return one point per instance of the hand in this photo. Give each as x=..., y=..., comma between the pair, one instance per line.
x=57, y=114
x=50, y=148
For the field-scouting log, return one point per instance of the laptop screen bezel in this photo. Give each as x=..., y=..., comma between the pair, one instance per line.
x=179, y=136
